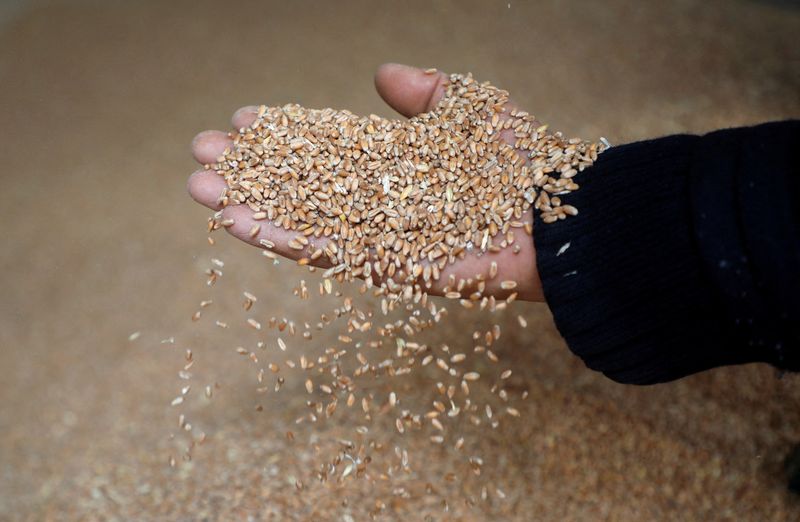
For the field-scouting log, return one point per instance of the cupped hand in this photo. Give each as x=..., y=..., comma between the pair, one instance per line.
x=409, y=91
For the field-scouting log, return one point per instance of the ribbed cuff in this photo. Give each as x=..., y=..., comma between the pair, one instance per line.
x=628, y=291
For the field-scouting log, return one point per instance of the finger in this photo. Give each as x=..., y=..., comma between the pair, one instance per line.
x=205, y=187
x=209, y=145
x=244, y=117
x=409, y=90
x=256, y=232
x=511, y=265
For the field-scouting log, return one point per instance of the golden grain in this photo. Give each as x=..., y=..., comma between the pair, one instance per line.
x=396, y=203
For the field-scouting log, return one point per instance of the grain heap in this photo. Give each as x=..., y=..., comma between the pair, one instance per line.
x=395, y=204
x=399, y=200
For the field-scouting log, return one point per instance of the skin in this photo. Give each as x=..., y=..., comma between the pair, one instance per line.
x=409, y=91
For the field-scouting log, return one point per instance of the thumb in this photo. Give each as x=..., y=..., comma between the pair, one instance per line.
x=409, y=90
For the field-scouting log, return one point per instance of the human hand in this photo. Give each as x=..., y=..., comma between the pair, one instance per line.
x=410, y=91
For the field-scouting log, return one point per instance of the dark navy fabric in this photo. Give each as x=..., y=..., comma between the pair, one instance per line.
x=685, y=255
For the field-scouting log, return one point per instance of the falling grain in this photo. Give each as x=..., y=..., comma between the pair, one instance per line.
x=395, y=204
x=254, y=324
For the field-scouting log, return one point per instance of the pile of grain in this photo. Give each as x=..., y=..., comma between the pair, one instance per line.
x=392, y=206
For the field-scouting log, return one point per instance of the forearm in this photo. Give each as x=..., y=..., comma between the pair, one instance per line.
x=651, y=286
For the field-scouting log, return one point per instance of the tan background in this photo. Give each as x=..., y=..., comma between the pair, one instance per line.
x=98, y=102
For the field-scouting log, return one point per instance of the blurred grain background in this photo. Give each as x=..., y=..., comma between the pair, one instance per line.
x=99, y=100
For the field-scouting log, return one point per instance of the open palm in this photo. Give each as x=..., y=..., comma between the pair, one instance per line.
x=410, y=91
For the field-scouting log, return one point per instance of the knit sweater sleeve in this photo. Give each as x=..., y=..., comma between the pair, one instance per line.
x=685, y=255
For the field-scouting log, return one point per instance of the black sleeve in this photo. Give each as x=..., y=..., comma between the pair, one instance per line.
x=685, y=255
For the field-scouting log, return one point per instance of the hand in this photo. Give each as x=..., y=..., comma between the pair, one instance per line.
x=410, y=91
